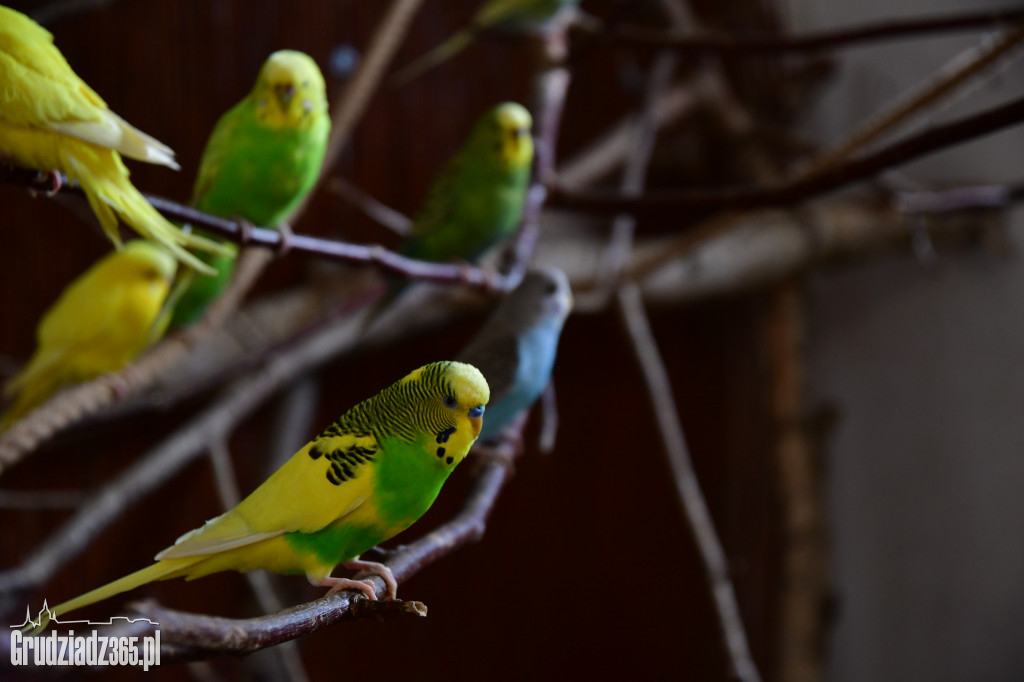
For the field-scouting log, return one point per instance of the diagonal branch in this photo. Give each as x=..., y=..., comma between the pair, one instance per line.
x=756, y=44
x=963, y=69
x=698, y=202
x=630, y=306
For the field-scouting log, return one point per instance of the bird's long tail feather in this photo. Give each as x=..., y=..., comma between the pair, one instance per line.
x=439, y=54
x=33, y=386
x=161, y=570
x=111, y=194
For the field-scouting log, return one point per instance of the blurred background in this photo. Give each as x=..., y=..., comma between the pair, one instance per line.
x=852, y=418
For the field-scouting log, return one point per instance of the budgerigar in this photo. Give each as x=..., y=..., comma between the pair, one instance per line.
x=477, y=200
x=100, y=323
x=51, y=120
x=260, y=162
x=365, y=478
x=516, y=347
x=505, y=15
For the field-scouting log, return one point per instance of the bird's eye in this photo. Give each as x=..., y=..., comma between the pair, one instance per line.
x=550, y=288
x=450, y=401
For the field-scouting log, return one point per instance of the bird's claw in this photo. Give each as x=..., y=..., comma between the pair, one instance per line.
x=339, y=584
x=56, y=183
x=378, y=569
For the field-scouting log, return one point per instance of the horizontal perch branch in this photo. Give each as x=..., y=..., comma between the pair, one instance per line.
x=248, y=235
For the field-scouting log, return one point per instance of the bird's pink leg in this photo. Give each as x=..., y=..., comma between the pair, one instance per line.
x=380, y=570
x=339, y=584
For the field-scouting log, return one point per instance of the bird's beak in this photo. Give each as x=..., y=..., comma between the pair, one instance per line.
x=476, y=419
x=284, y=92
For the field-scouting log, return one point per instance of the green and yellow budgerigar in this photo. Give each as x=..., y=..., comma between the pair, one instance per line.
x=364, y=479
x=99, y=324
x=504, y=15
x=477, y=201
x=261, y=161
x=51, y=120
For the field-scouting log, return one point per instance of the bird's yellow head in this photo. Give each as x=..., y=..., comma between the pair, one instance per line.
x=444, y=401
x=142, y=260
x=289, y=91
x=504, y=132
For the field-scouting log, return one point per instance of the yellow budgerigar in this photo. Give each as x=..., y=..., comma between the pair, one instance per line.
x=51, y=120
x=367, y=477
x=101, y=321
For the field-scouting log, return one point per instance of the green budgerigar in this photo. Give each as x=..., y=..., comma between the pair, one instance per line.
x=502, y=15
x=367, y=477
x=477, y=201
x=261, y=161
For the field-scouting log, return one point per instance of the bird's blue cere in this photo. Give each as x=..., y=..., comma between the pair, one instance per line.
x=476, y=412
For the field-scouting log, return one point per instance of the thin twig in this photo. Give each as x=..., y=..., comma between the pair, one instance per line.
x=630, y=304
x=41, y=499
x=609, y=150
x=351, y=104
x=702, y=526
x=294, y=413
x=378, y=212
x=963, y=69
x=223, y=473
x=227, y=490
x=757, y=44
x=60, y=10
x=549, y=420
x=550, y=84
x=703, y=201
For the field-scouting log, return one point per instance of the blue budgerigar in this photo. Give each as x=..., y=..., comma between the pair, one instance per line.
x=515, y=350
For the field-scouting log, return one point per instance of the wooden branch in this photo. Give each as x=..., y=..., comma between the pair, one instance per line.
x=609, y=150
x=963, y=69
x=805, y=552
x=189, y=636
x=699, y=202
x=283, y=242
x=550, y=85
x=351, y=104
x=630, y=307
x=380, y=213
x=712, y=555
x=758, y=44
